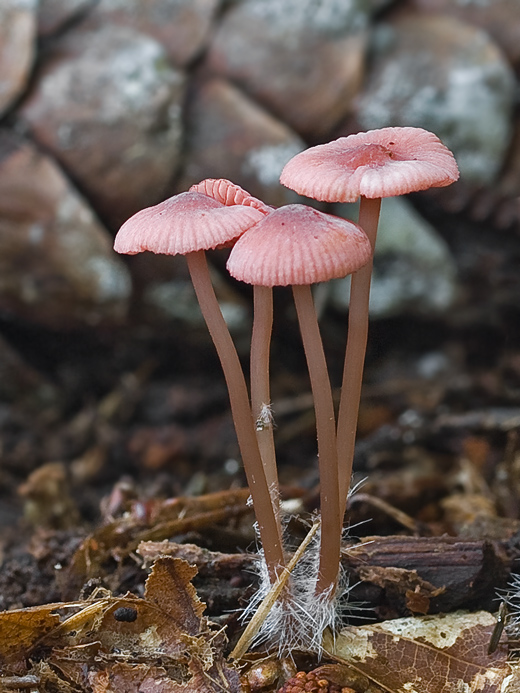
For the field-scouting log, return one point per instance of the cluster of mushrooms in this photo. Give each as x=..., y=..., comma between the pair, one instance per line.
x=295, y=246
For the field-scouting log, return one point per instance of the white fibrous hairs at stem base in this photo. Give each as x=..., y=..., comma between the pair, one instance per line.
x=298, y=618
x=511, y=597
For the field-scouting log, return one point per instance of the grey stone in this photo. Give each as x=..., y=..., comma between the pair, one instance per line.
x=303, y=60
x=414, y=271
x=499, y=18
x=57, y=266
x=230, y=136
x=176, y=300
x=54, y=14
x=448, y=77
x=17, y=48
x=181, y=26
x=108, y=105
x=332, y=17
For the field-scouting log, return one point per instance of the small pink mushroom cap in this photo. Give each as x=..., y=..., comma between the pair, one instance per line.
x=229, y=193
x=296, y=244
x=183, y=224
x=377, y=163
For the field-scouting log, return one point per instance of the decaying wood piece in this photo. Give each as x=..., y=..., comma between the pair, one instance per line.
x=449, y=573
x=394, y=575
x=209, y=563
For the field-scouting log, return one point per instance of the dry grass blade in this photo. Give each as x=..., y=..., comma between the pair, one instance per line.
x=265, y=607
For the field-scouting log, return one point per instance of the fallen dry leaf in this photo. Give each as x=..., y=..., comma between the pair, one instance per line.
x=161, y=642
x=143, y=678
x=21, y=630
x=427, y=654
x=512, y=684
x=168, y=622
x=163, y=520
x=132, y=678
x=169, y=586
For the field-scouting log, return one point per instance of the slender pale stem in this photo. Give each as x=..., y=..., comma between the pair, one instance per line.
x=265, y=511
x=326, y=430
x=355, y=353
x=260, y=389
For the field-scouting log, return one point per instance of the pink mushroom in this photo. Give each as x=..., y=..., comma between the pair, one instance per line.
x=371, y=165
x=298, y=246
x=231, y=194
x=188, y=224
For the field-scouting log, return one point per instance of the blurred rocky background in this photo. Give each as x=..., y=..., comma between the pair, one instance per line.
x=108, y=106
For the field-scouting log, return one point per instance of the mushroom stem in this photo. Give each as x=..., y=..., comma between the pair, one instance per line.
x=260, y=390
x=326, y=430
x=265, y=511
x=355, y=352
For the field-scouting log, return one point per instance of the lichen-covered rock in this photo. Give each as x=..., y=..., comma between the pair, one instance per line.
x=57, y=267
x=181, y=26
x=330, y=17
x=414, y=271
x=499, y=18
x=497, y=205
x=53, y=14
x=448, y=77
x=17, y=48
x=230, y=136
x=171, y=299
x=108, y=105
x=301, y=60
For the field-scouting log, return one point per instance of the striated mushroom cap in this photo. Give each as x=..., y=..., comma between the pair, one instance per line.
x=183, y=224
x=296, y=244
x=377, y=163
x=223, y=190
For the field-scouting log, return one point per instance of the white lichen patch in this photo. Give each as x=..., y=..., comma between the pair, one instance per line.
x=174, y=300
x=358, y=644
x=414, y=270
x=327, y=16
x=124, y=71
x=506, y=683
x=29, y=5
x=83, y=248
x=111, y=279
x=266, y=162
x=149, y=639
x=36, y=234
x=480, y=134
x=139, y=71
x=440, y=631
x=443, y=652
x=448, y=77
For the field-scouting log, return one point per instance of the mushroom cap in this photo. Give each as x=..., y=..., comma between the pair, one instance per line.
x=183, y=224
x=229, y=193
x=377, y=163
x=296, y=244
